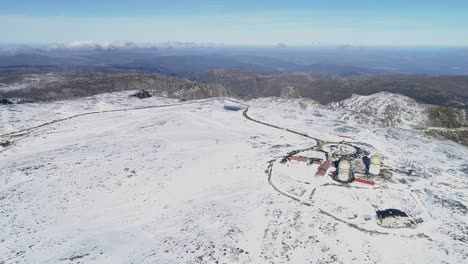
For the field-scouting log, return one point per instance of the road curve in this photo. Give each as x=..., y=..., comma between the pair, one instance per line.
x=271, y=162
x=319, y=141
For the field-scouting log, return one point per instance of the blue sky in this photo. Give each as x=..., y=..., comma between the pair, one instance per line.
x=254, y=22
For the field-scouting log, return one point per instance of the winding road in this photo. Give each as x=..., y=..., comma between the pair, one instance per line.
x=319, y=142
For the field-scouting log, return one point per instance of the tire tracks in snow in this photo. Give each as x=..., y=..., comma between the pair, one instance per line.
x=24, y=133
x=21, y=131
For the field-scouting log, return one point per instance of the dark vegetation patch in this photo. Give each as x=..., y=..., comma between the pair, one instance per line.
x=451, y=204
x=441, y=116
x=459, y=136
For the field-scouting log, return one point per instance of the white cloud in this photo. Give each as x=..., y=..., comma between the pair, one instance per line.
x=92, y=45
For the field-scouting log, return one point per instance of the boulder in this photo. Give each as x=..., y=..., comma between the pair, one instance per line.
x=5, y=101
x=4, y=142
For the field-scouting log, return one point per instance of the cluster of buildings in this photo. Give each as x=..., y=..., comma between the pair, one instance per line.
x=346, y=164
x=346, y=174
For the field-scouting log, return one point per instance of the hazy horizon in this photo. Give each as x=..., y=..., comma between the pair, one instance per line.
x=140, y=44
x=259, y=23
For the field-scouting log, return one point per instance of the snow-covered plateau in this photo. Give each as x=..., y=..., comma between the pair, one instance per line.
x=116, y=179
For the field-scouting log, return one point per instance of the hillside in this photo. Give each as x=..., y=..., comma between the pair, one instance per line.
x=50, y=84
x=56, y=83
x=397, y=111
x=162, y=181
x=440, y=90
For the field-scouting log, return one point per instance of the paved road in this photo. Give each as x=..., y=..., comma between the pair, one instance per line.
x=97, y=112
x=245, y=114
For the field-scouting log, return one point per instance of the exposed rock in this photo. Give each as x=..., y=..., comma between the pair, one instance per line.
x=398, y=111
x=386, y=174
x=383, y=109
x=289, y=92
x=22, y=101
x=5, y=101
x=199, y=91
x=4, y=142
x=442, y=116
x=459, y=136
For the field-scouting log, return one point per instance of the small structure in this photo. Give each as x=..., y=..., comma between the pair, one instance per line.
x=394, y=218
x=323, y=168
x=340, y=149
x=344, y=171
x=345, y=136
x=299, y=158
x=232, y=106
x=365, y=181
x=142, y=94
x=374, y=166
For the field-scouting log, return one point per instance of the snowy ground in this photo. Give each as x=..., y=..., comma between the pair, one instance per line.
x=187, y=184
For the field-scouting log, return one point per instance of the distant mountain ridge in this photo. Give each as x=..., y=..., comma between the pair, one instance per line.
x=188, y=58
x=440, y=90
x=59, y=84
x=67, y=82
x=178, y=65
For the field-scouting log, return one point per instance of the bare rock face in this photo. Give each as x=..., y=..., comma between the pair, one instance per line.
x=442, y=116
x=394, y=110
x=289, y=92
x=384, y=109
x=199, y=91
x=4, y=142
x=5, y=101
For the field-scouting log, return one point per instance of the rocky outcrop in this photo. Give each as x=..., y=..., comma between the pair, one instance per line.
x=442, y=116
x=5, y=101
x=395, y=110
x=440, y=90
x=4, y=142
x=200, y=91
x=382, y=109
x=398, y=111
x=289, y=92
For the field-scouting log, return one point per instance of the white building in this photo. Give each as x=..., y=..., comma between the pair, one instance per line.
x=344, y=170
x=374, y=166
